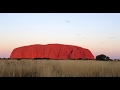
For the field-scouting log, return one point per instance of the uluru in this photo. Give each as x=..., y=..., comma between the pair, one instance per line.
x=52, y=52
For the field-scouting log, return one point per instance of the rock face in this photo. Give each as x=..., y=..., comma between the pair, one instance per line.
x=52, y=51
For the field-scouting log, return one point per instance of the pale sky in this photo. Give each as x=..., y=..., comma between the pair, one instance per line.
x=98, y=32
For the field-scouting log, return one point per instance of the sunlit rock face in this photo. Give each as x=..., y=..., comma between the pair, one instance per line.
x=52, y=51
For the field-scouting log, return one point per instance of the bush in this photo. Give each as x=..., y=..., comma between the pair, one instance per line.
x=37, y=58
x=4, y=58
x=102, y=57
x=79, y=58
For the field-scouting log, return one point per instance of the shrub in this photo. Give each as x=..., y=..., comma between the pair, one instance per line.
x=79, y=58
x=37, y=58
x=102, y=57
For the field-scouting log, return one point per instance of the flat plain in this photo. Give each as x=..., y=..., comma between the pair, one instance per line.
x=59, y=68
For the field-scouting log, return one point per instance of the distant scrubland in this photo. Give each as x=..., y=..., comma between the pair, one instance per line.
x=59, y=68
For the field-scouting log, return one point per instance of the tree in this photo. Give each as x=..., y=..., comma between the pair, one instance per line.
x=107, y=58
x=102, y=57
x=79, y=58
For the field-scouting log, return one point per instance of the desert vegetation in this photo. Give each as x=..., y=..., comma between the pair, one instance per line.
x=59, y=68
x=103, y=57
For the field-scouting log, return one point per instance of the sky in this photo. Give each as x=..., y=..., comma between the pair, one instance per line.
x=98, y=32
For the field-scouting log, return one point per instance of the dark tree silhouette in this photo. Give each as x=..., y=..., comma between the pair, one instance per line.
x=102, y=57
x=107, y=58
x=79, y=58
x=19, y=59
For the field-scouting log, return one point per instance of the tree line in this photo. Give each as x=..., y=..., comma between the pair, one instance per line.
x=100, y=57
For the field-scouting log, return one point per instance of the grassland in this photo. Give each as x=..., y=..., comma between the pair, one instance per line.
x=61, y=68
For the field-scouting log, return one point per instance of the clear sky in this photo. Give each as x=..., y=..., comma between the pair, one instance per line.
x=98, y=32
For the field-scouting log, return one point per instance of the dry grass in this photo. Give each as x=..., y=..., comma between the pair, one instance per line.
x=52, y=68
